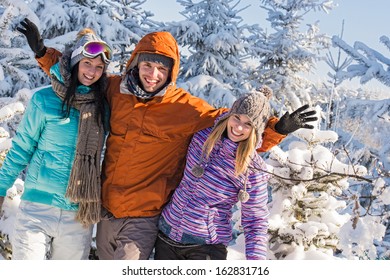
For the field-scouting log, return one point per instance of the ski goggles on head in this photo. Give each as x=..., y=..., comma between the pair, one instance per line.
x=93, y=49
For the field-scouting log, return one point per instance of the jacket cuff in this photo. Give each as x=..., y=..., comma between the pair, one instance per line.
x=48, y=60
x=271, y=138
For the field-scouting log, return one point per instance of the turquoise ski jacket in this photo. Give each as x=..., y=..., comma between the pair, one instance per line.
x=45, y=143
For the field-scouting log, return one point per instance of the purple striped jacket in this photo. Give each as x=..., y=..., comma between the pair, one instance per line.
x=202, y=207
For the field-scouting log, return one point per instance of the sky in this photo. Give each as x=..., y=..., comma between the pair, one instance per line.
x=364, y=20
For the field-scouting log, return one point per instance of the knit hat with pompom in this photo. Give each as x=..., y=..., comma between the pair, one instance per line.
x=256, y=106
x=84, y=36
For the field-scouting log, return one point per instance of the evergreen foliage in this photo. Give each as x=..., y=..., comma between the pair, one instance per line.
x=312, y=210
x=290, y=53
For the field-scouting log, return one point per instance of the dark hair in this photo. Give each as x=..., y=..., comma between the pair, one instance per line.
x=99, y=87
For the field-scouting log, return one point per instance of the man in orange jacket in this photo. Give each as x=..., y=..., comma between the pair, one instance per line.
x=151, y=124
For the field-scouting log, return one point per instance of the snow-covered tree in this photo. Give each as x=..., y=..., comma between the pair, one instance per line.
x=288, y=53
x=362, y=125
x=370, y=64
x=363, y=235
x=117, y=22
x=120, y=23
x=125, y=23
x=213, y=35
x=336, y=63
x=11, y=110
x=17, y=68
x=308, y=207
x=367, y=145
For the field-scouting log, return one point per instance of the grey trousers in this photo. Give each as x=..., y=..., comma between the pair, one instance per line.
x=125, y=238
x=46, y=232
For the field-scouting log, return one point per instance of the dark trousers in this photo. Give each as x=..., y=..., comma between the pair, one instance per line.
x=167, y=249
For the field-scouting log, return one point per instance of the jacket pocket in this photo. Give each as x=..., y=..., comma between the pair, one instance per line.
x=51, y=174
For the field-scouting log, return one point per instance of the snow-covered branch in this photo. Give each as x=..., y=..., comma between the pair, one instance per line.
x=370, y=63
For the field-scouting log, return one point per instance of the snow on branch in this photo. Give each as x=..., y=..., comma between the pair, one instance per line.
x=370, y=63
x=8, y=111
x=385, y=40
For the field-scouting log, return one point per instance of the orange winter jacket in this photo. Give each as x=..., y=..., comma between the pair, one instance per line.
x=148, y=141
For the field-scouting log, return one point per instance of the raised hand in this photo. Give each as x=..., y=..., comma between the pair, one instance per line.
x=34, y=39
x=298, y=119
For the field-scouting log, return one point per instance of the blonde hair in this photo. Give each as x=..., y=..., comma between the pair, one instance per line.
x=244, y=151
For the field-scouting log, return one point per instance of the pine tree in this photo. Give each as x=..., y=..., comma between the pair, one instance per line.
x=336, y=63
x=11, y=110
x=370, y=64
x=288, y=53
x=18, y=69
x=213, y=34
x=120, y=23
x=305, y=213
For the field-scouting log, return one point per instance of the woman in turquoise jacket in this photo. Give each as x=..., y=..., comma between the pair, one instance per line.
x=60, y=141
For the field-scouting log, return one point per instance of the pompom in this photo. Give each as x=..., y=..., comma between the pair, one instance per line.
x=243, y=196
x=83, y=32
x=267, y=91
x=197, y=170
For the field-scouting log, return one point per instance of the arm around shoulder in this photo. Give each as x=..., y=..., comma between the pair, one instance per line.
x=271, y=138
x=50, y=58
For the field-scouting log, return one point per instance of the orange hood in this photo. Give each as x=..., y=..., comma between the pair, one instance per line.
x=162, y=43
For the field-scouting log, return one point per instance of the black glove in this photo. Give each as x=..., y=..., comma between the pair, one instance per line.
x=289, y=123
x=34, y=39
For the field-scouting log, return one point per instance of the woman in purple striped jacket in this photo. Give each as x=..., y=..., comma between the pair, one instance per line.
x=222, y=168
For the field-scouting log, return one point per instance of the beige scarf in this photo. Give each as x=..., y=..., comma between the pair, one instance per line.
x=84, y=182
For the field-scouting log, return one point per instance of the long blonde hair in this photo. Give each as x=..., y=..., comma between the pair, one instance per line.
x=245, y=149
